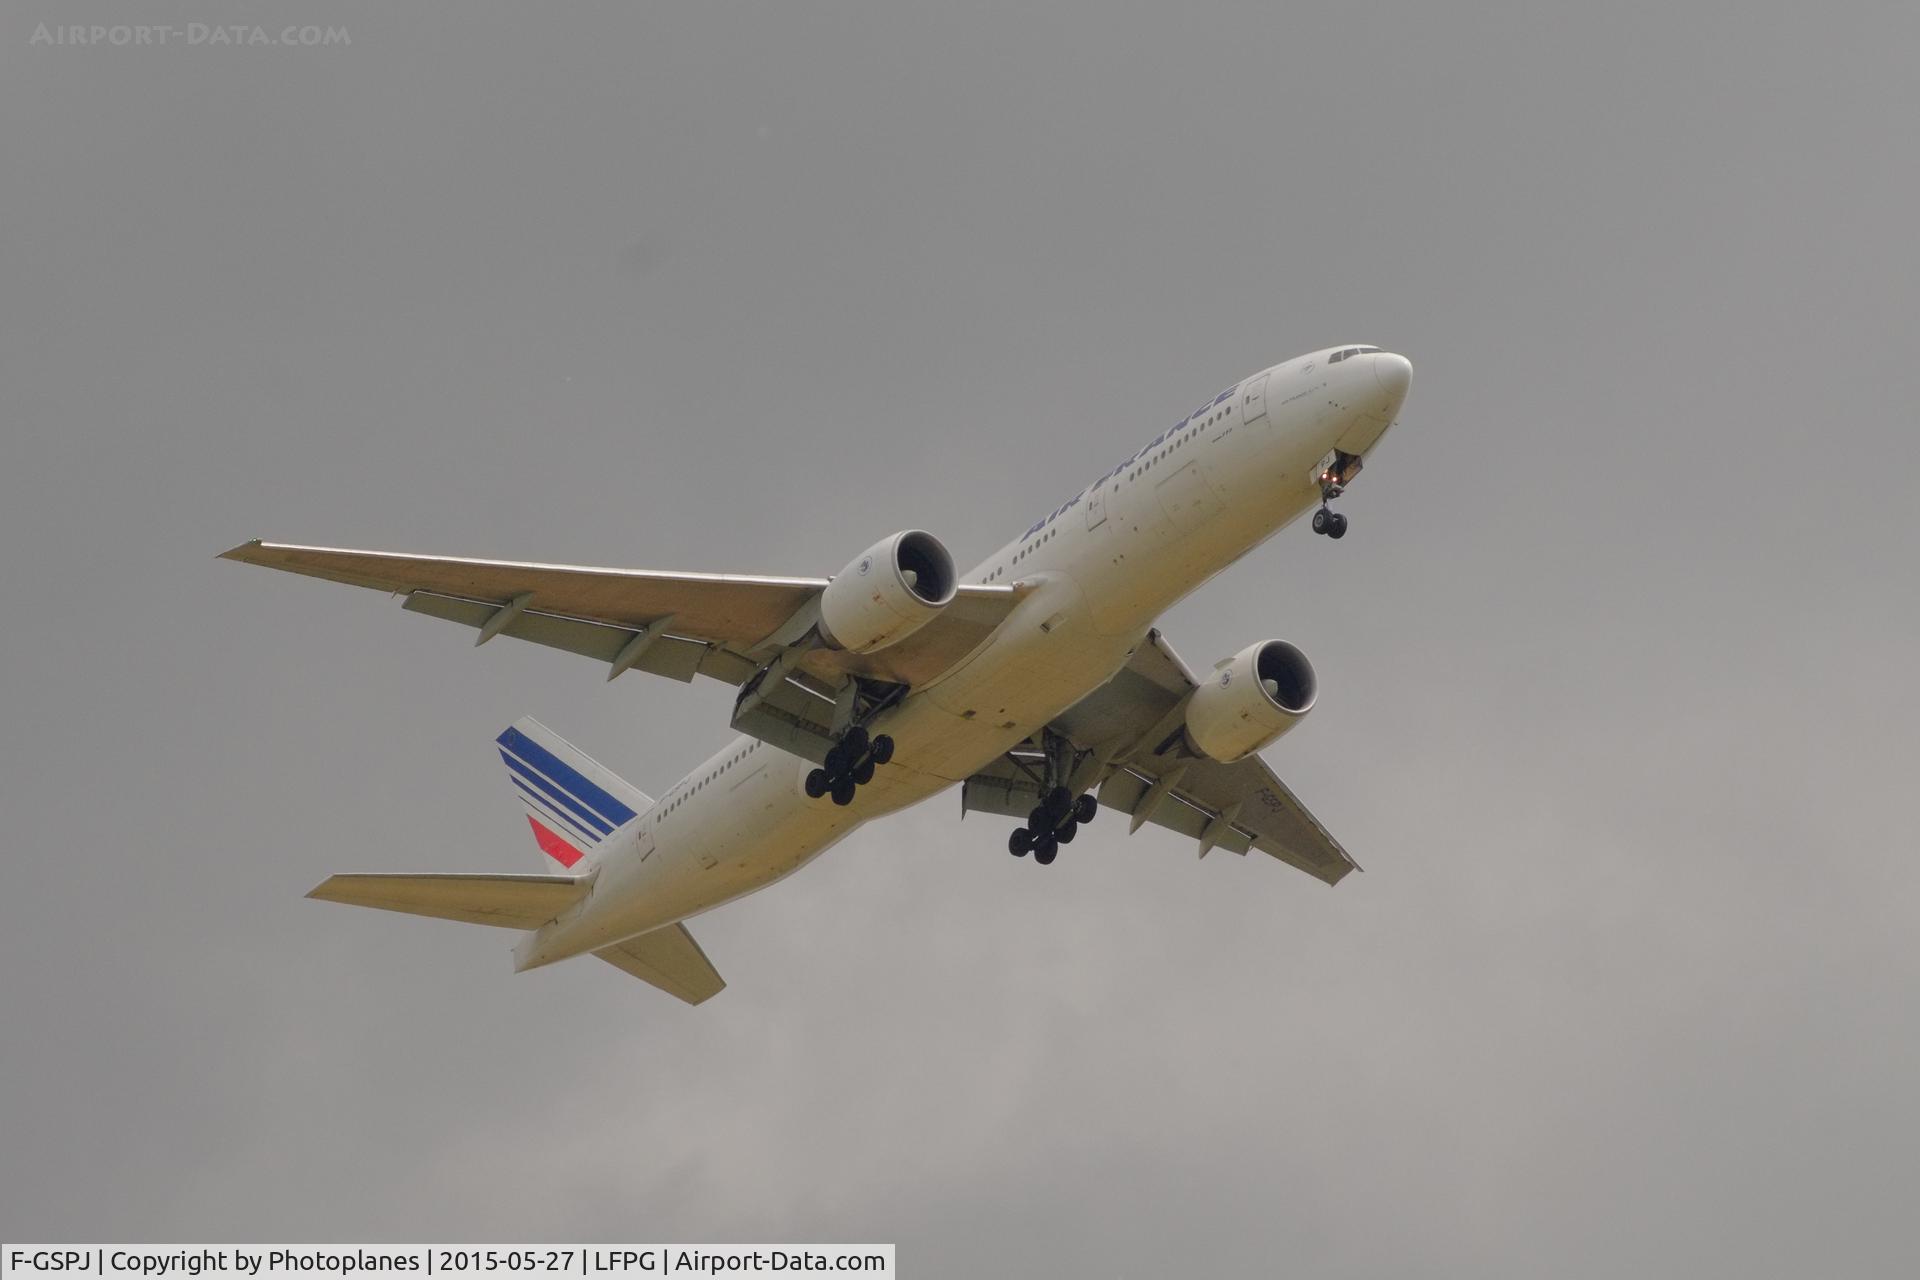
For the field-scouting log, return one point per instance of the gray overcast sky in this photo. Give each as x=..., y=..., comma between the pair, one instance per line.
x=1618, y=694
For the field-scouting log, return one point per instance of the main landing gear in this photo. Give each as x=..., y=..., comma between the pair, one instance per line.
x=1054, y=822
x=850, y=765
x=1334, y=479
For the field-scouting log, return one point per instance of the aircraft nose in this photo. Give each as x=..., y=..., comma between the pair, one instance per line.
x=1394, y=373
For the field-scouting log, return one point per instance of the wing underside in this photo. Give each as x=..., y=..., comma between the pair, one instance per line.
x=1128, y=742
x=738, y=628
x=726, y=626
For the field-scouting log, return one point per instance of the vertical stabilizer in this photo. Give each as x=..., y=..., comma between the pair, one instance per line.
x=572, y=801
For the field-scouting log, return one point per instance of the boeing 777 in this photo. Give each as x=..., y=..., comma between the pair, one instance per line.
x=1037, y=683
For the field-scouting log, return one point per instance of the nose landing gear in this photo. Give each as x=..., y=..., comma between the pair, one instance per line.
x=850, y=765
x=1334, y=479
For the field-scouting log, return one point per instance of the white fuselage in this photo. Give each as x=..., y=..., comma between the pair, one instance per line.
x=1102, y=567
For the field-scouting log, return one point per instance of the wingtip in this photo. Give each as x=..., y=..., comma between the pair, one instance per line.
x=320, y=892
x=240, y=552
x=1342, y=873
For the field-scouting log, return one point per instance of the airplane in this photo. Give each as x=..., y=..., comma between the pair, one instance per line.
x=1037, y=683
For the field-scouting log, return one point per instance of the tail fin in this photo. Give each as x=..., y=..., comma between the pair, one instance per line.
x=573, y=802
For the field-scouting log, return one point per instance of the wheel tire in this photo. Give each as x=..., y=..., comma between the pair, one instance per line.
x=881, y=748
x=1084, y=808
x=1019, y=842
x=1039, y=820
x=837, y=759
x=817, y=784
x=1320, y=520
x=855, y=742
x=1045, y=850
x=1059, y=803
x=863, y=772
x=843, y=792
x=1337, y=527
x=1068, y=830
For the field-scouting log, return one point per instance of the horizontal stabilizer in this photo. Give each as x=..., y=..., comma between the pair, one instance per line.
x=512, y=902
x=669, y=959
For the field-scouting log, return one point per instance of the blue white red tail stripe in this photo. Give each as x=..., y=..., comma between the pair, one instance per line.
x=552, y=845
x=569, y=778
x=552, y=816
x=573, y=804
x=582, y=815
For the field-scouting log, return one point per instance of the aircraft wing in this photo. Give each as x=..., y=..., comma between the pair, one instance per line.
x=1128, y=735
x=725, y=626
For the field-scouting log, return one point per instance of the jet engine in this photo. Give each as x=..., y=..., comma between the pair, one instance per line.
x=1249, y=700
x=887, y=593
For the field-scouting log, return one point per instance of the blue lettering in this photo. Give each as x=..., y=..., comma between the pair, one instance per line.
x=1187, y=423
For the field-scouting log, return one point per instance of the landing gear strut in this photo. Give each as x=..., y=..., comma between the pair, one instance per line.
x=1334, y=479
x=1060, y=814
x=850, y=765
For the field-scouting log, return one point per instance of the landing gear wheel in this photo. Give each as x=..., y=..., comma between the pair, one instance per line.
x=1085, y=807
x=1068, y=830
x=818, y=784
x=1039, y=820
x=1336, y=525
x=838, y=759
x=881, y=748
x=863, y=772
x=843, y=792
x=1045, y=849
x=855, y=742
x=1320, y=520
x=1019, y=842
x=1059, y=803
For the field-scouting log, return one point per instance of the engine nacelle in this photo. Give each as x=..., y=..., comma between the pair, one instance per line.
x=887, y=593
x=1259, y=694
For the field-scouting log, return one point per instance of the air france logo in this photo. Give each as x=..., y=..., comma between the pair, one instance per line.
x=865, y=564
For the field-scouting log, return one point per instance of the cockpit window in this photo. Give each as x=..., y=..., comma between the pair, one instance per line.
x=1338, y=356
